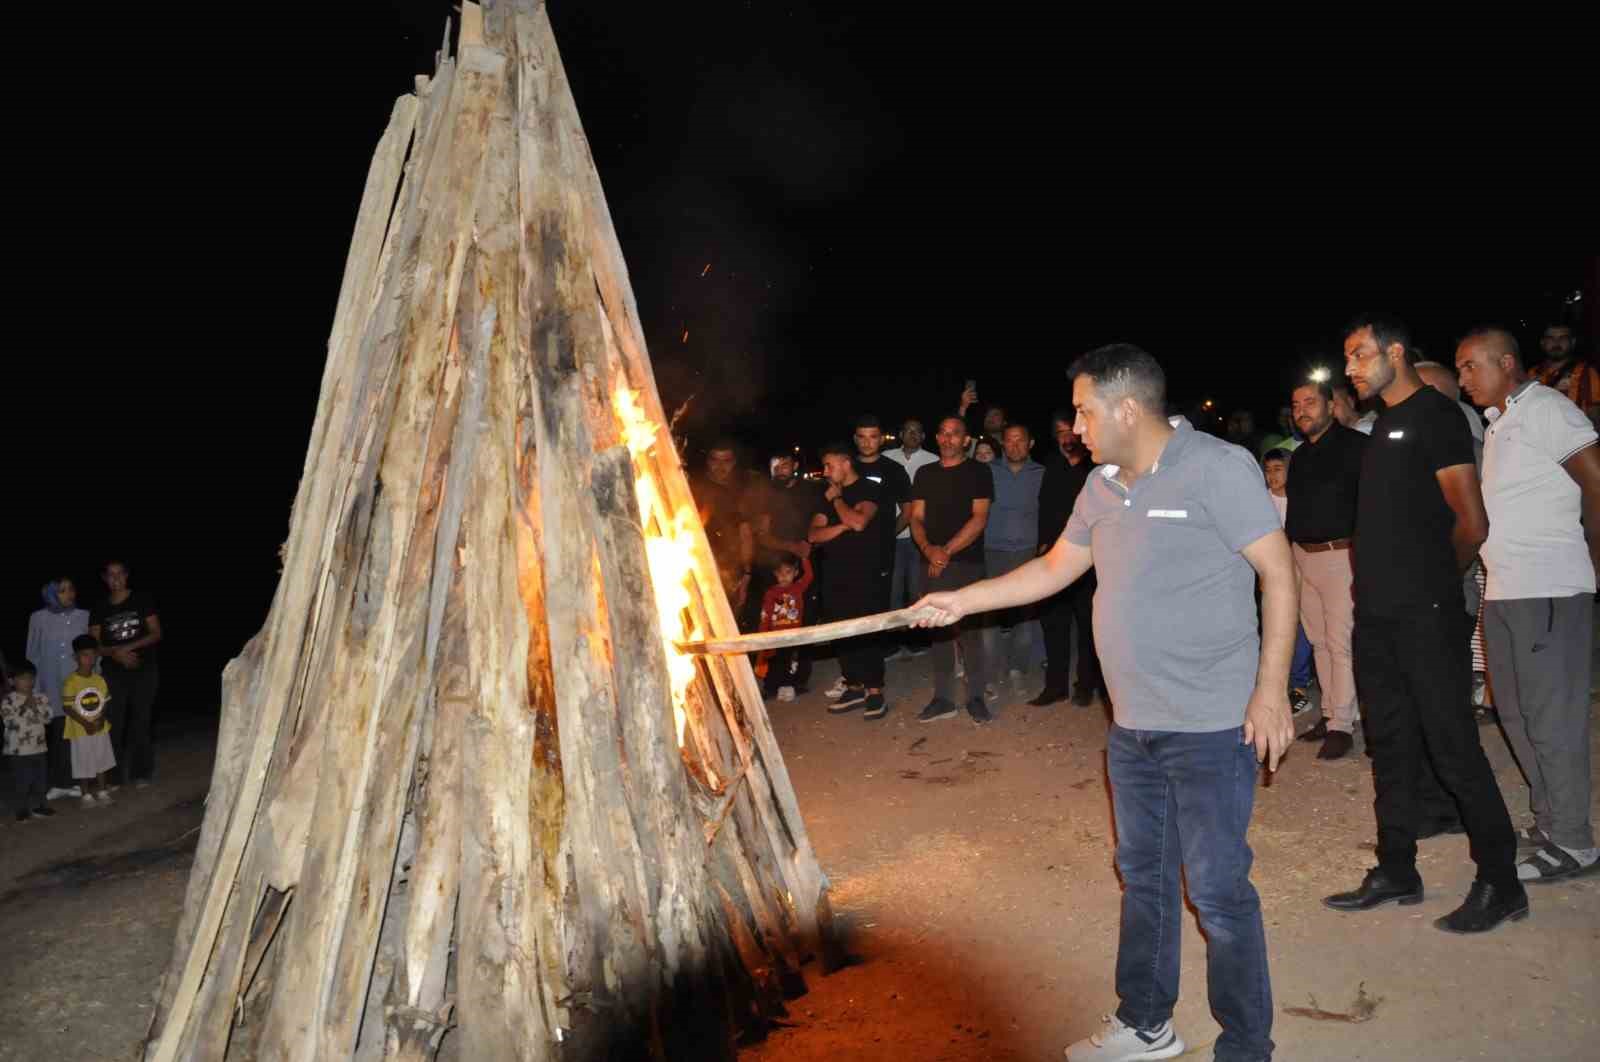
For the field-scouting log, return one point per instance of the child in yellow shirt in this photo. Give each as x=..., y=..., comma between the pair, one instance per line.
x=84, y=697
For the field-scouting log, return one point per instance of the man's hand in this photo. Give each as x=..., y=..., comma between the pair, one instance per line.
x=968, y=397
x=125, y=657
x=938, y=556
x=945, y=606
x=742, y=591
x=802, y=549
x=832, y=493
x=1269, y=725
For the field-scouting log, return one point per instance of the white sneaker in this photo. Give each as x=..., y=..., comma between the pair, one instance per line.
x=835, y=691
x=785, y=693
x=57, y=792
x=105, y=796
x=1123, y=1043
x=89, y=801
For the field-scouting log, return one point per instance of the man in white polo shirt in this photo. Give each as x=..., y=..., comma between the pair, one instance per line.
x=1541, y=487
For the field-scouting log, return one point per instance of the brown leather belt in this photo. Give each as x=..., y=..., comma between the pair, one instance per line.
x=1323, y=547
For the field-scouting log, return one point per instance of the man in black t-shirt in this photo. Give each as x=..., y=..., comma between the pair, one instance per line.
x=949, y=508
x=894, y=491
x=1065, y=473
x=1419, y=524
x=847, y=531
x=128, y=629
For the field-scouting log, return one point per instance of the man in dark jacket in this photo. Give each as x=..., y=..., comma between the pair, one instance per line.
x=1065, y=473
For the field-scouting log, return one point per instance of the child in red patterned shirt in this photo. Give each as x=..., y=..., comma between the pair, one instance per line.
x=782, y=607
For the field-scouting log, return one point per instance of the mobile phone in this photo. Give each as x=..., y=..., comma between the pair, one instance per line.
x=972, y=385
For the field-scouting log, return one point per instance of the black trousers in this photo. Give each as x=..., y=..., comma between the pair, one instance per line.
x=131, y=711
x=58, y=754
x=27, y=781
x=1058, y=615
x=787, y=667
x=860, y=659
x=1414, y=674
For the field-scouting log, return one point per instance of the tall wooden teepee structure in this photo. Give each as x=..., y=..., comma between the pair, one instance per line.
x=453, y=799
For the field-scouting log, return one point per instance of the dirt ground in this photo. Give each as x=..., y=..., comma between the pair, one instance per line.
x=972, y=875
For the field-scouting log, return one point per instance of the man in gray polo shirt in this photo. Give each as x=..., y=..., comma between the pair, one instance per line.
x=1177, y=526
x=1541, y=487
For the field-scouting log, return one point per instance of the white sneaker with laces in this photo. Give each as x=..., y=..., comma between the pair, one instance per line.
x=1123, y=1043
x=835, y=691
x=785, y=693
x=89, y=801
x=105, y=796
x=57, y=792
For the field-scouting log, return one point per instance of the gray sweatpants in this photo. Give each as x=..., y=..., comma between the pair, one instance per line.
x=1539, y=665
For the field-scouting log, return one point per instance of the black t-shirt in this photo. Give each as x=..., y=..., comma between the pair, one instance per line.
x=722, y=510
x=1058, y=493
x=790, y=509
x=1404, y=558
x=1323, y=479
x=123, y=623
x=852, y=558
x=947, y=495
x=894, y=488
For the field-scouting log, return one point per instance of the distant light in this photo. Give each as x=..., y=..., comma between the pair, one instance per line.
x=1207, y=404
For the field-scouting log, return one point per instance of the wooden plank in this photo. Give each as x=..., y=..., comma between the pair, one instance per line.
x=813, y=635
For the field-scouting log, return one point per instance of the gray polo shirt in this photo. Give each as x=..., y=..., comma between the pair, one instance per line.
x=1175, y=611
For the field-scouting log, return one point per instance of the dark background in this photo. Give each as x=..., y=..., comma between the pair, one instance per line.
x=890, y=199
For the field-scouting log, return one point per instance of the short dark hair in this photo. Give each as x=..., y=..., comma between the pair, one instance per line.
x=986, y=440
x=24, y=668
x=1069, y=417
x=1341, y=385
x=85, y=641
x=840, y=449
x=783, y=455
x=1122, y=369
x=1485, y=330
x=786, y=560
x=1387, y=330
x=868, y=420
x=1275, y=454
x=1019, y=426
x=1324, y=388
x=723, y=442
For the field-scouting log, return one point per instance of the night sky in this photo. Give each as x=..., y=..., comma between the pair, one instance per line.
x=890, y=200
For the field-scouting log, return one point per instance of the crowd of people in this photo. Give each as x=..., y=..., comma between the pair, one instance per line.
x=1405, y=552
x=77, y=711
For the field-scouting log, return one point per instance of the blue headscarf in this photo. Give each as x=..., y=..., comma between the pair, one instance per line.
x=52, y=599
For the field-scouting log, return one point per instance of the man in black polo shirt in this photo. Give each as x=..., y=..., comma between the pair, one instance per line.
x=852, y=548
x=949, y=508
x=1419, y=524
x=1322, y=490
x=1065, y=473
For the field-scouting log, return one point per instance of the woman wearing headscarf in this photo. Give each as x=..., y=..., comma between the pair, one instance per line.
x=50, y=634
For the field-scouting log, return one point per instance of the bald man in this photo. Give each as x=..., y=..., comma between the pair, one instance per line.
x=1442, y=379
x=1541, y=488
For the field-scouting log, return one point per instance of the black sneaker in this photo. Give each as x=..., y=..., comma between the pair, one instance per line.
x=42, y=812
x=1299, y=700
x=978, y=710
x=852, y=698
x=938, y=708
x=874, y=707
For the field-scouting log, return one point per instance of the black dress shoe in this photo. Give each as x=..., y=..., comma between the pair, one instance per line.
x=1318, y=732
x=1048, y=696
x=1083, y=696
x=1377, y=889
x=1335, y=745
x=1440, y=828
x=1486, y=906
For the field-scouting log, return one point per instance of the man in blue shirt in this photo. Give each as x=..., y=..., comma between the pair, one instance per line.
x=1010, y=540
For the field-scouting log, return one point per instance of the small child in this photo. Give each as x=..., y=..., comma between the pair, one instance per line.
x=1275, y=466
x=24, y=716
x=782, y=607
x=84, y=697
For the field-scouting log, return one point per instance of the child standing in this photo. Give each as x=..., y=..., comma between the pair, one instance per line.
x=84, y=697
x=24, y=715
x=782, y=607
x=1275, y=467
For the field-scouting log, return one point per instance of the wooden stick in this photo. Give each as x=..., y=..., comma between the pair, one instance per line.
x=822, y=632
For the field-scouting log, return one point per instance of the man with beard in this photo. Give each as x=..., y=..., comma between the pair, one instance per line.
x=1321, y=525
x=894, y=491
x=720, y=497
x=1065, y=473
x=1562, y=370
x=1179, y=526
x=781, y=526
x=1346, y=409
x=1419, y=524
x=852, y=548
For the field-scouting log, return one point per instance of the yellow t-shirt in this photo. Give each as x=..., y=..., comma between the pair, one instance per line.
x=87, y=693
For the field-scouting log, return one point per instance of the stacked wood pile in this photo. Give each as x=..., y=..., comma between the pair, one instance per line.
x=450, y=804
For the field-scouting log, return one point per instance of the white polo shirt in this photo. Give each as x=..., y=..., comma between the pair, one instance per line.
x=1536, y=546
x=910, y=464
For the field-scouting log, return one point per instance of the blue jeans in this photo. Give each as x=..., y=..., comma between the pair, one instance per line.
x=1300, y=666
x=1191, y=794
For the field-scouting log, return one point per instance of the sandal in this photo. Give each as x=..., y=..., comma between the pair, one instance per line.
x=1550, y=863
x=1530, y=837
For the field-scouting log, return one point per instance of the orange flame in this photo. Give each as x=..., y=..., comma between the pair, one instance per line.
x=668, y=547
